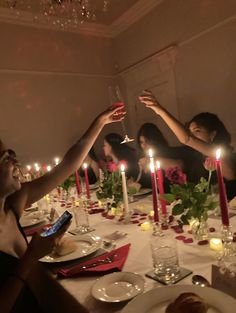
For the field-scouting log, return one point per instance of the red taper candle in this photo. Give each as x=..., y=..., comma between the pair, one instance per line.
x=161, y=188
x=77, y=183
x=222, y=192
x=154, y=192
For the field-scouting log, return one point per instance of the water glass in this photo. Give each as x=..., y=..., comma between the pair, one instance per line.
x=81, y=219
x=165, y=258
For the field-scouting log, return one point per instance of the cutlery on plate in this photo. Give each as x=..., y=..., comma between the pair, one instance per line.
x=200, y=281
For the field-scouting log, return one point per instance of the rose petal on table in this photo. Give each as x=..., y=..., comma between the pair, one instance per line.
x=135, y=222
x=190, y=232
x=180, y=237
x=202, y=242
x=164, y=226
x=188, y=240
x=142, y=218
x=177, y=229
x=143, y=214
x=234, y=238
x=212, y=229
x=110, y=217
x=171, y=218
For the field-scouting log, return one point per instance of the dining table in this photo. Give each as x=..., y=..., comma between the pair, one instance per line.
x=194, y=256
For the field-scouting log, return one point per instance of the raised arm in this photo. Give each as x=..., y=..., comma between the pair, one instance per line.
x=185, y=137
x=177, y=128
x=36, y=189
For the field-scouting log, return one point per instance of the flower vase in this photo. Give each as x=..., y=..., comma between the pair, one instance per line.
x=200, y=229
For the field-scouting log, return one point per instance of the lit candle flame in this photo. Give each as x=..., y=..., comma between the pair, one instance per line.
x=28, y=167
x=152, y=168
x=49, y=168
x=158, y=165
x=57, y=160
x=150, y=153
x=85, y=165
x=218, y=154
x=122, y=167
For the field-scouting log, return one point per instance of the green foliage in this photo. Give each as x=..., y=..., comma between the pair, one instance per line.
x=69, y=182
x=111, y=187
x=191, y=201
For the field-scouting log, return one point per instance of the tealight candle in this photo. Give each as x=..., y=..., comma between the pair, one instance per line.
x=216, y=244
x=145, y=226
x=49, y=168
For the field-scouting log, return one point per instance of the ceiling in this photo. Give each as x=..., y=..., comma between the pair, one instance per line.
x=116, y=8
x=120, y=15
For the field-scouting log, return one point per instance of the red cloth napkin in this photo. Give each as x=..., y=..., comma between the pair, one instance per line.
x=119, y=257
x=32, y=230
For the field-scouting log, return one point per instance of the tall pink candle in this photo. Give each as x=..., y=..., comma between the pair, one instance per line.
x=154, y=192
x=77, y=183
x=222, y=192
x=85, y=166
x=161, y=188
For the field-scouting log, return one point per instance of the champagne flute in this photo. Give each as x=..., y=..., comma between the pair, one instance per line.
x=117, y=101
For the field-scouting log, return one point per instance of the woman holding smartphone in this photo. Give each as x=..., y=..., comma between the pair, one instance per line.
x=24, y=285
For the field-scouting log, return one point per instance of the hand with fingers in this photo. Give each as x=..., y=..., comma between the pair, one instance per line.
x=107, y=116
x=40, y=246
x=150, y=101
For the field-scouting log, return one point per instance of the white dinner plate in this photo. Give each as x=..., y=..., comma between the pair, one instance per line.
x=31, y=220
x=143, y=191
x=157, y=300
x=86, y=244
x=93, y=186
x=118, y=287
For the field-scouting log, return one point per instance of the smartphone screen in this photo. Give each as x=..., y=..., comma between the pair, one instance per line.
x=63, y=219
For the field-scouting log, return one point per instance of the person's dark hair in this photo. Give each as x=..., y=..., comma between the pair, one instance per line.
x=92, y=154
x=121, y=151
x=211, y=122
x=153, y=135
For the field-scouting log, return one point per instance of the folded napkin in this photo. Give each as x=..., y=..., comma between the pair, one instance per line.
x=37, y=229
x=118, y=257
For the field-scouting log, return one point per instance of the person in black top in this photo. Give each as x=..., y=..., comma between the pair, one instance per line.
x=116, y=152
x=204, y=133
x=93, y=168
x=25, y=287
x=150, y=137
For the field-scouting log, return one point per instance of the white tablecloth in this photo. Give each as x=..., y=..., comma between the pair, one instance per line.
x=192, y=256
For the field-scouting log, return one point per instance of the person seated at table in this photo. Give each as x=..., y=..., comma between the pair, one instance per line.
x=24, y=285
x=93, y=168
x=115, y=151
x=205, y=133
x=150, y=137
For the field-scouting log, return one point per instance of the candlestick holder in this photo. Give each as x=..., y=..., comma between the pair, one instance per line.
x=227, y=239
x=156, y=229
x=164, y=221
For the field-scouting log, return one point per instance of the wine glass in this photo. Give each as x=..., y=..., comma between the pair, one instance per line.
x=117, y=101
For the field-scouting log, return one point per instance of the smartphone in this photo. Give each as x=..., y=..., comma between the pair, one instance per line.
x=63, y=220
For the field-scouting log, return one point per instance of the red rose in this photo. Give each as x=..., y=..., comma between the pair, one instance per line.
x=210, y=164
x=175, y=175
x=111, y=167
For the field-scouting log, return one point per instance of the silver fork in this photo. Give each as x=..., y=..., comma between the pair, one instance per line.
x=107, y=260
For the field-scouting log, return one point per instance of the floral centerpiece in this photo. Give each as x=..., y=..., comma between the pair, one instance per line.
x=190, y=201
x=69, y=182
x=110, y=187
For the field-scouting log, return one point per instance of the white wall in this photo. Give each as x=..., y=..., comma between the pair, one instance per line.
x=52, y=85
x=204, y=31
